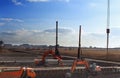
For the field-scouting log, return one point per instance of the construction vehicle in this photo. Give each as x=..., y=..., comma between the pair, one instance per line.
x=43, y=61
x=17, y=72
x=80, y=60
x=55, y=54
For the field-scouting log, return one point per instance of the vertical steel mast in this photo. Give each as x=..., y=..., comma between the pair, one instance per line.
x=56, y=47
x=108, y=24
x=79, y=48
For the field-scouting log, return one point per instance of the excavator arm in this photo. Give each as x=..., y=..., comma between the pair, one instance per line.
x=54, y=56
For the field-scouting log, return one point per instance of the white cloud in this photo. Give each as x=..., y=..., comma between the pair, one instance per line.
x=1, y=24
x=18, y=20
x=16, y=2
x=67, y=38
x=64, y=0
x=38, y=0
x=47, y=0
x=98, y=39
x=37, y=37
x=11, y=19
x=6, y=19
x=92, y=4
x=95, y=39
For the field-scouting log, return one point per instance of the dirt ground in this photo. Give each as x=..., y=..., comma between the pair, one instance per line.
x=8, y=55
x=28, y=54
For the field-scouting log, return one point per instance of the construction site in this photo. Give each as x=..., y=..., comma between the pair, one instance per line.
x=52, y=68
x=61, y=62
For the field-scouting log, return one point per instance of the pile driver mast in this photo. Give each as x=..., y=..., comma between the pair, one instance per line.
x=79, y=47
x=56, y=47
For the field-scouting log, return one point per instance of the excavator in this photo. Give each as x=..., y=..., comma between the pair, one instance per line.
x=55, y=54
x=21, y=72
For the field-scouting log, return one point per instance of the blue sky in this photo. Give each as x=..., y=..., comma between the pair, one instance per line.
x=33, y=22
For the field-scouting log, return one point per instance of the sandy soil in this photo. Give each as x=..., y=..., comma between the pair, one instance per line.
x=96, y=53
x=114, y=55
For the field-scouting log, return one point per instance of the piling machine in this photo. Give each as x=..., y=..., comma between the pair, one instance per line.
x=55, y=54
x=80, y=60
